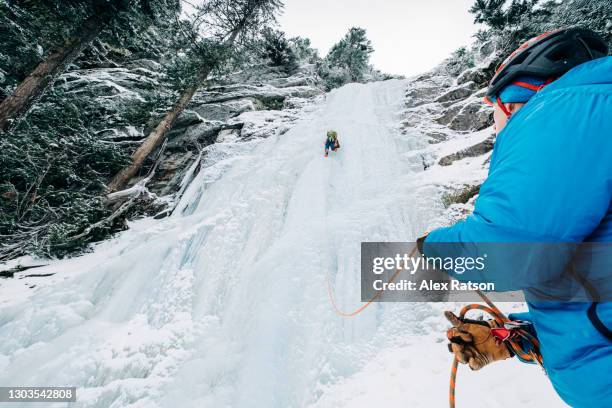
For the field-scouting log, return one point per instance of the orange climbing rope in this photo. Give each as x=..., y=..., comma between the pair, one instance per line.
x=533, y=355
x=366, y=304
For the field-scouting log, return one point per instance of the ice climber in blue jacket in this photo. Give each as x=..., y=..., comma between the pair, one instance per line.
x=550, y=181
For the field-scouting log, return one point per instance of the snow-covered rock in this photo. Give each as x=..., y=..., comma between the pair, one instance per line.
x=224, y=111
x=476, y=150
x=472, y=116
x=450, y=115
x=458, y=92
x=254, y=103
x=258, y=106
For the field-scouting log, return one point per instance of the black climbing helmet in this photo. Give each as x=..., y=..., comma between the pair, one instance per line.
x=548, y=56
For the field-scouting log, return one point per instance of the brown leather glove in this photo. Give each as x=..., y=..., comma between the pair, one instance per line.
x=420, y=241
x=472, y=343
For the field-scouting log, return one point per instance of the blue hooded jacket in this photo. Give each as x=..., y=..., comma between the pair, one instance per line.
x=550, y=180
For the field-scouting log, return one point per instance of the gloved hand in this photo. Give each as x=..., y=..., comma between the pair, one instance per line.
x=420, y=241
x=472, y=343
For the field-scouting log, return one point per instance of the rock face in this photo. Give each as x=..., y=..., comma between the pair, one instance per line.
x=454, y=122
x=461, y=195
x=476, y=150
x=472, y=116
x=119, y=97
x=467, y=112
x=449, y=114
x=255, y=103
x=426, y=88
x=458, y=92
x=475, y=75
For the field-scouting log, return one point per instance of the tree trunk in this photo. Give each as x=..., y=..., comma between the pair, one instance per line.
x=153, y=141
x=158, y=135
x=32, y=87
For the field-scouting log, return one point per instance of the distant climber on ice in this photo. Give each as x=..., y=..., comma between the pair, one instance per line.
x=331, y=142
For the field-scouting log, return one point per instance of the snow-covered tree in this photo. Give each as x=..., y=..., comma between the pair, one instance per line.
x=303, y=49
x=489, y=12
x=53, y=166
x=63, y=29
x=352, y=53
x=508, y=23
x=54, y=163
x=460, y=60
x=348, y=60
x=593, y=14
x=225, y=24
x=279, y=50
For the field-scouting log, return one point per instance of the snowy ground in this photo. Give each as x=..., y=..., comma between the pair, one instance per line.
x=225, y=303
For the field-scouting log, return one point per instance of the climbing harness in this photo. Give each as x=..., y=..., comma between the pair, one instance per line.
x=507, y=331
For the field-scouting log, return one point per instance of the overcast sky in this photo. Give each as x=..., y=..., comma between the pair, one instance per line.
x=409, y=36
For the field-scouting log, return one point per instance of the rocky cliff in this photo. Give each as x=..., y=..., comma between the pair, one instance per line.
x=255, y=103
x=448, y=111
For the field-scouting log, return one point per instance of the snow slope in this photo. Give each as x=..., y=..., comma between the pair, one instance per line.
x=225, y=303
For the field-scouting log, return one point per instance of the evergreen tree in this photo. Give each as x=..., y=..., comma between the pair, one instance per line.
x=54, y=163
x=348, y=60
x=352, y=52
x=460, y=60
x=593, y=14
x=303, y=49
x=510, y=23
x=67, y=28
x=227, y=23
x=279, y=50
x=53, y=166
x=518, y=9
x=489, y=12
x=496, y=15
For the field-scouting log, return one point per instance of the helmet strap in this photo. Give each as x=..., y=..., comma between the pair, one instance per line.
x=536, y=88
x=503, y=108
